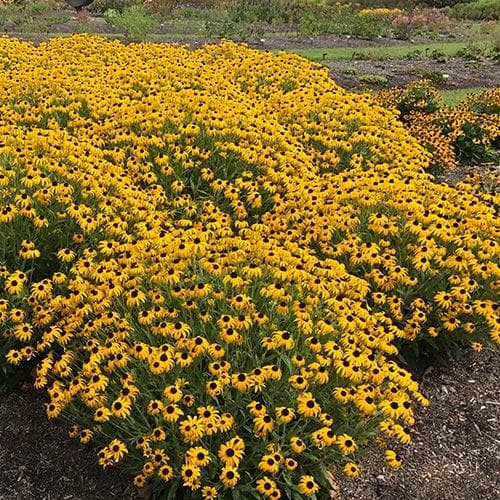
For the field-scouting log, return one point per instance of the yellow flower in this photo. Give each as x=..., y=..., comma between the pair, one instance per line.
x=121, y=408
x=117, y=450
x=392, y=459
x=15, y=282
x=66, y=255
x=198, y=456
x=346, y=444
x=268, y=463
x=230, y=454
x=262, y=425
x=229, y=476
x=165, y=472
x=209, y=493
x=102, y=415
x=308, y=486
x=284, y=414
x=297, y=445
x=307, y=405
x=190, y=474
x=265, y=486
x=86, y=435
x=351, y=469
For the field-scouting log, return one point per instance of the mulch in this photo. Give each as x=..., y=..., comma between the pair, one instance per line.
x=458, y=73
x=38, y=461
x=455, y=452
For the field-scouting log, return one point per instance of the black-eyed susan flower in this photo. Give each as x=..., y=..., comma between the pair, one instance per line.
x=165, y=472
x=216, y=245
x=190, y=474
x=393, y=459
x=346, y=444
x=229, y=476
x=307, y=485
x=307, y=405
x=351, y=469
x=209, y=493
x=297, y=444
x=117, y=450
x=284, y=415
x=265, y=486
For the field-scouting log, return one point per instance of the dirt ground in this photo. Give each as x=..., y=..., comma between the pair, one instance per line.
x=38, y=461
x=456, y=72
x=455, y=454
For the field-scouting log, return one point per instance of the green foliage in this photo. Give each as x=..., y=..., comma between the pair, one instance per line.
x=309, y=18
x=391, y=4
x=439, y=56
x=479, y=10
x=265, y=11
x=418, y=97
x=134, y=21
x=343, y=19
x=470, y=147
x=443, y=3
x=433, y=75
x=161, y=8
x=37, y=7
x=374, y=79
x=102, y=6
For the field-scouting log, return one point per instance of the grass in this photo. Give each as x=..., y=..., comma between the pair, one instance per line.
x=386, y=52
x=456, y=96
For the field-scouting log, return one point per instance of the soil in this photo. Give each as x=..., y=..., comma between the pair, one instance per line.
x=455, y=73
x=455, y=453
x=38, y=461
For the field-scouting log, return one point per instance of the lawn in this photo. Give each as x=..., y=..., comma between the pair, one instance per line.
x=454, y=97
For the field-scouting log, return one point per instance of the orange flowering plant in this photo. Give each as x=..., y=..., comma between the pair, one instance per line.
x=468, y=133
x=233, y=246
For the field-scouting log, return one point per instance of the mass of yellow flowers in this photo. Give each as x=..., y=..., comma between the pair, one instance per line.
x=214, y=257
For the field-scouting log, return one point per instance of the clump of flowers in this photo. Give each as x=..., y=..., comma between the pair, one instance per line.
x=382, y=12
x=467, y=133
x=214, y=254
x=407, y=23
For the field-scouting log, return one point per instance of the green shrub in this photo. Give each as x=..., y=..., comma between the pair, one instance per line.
x=480, y=10
x=102, y=6
x=134, y=21
x=162, y=8
x=374, y=79
x=417, y=97
x=267, y=11
x=343, y=19
x=443, y=3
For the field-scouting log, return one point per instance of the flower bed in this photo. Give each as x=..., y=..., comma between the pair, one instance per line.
x=214, y=256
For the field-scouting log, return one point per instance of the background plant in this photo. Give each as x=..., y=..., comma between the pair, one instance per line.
x=479, y=10
x=135, y=21
x=466, y=134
